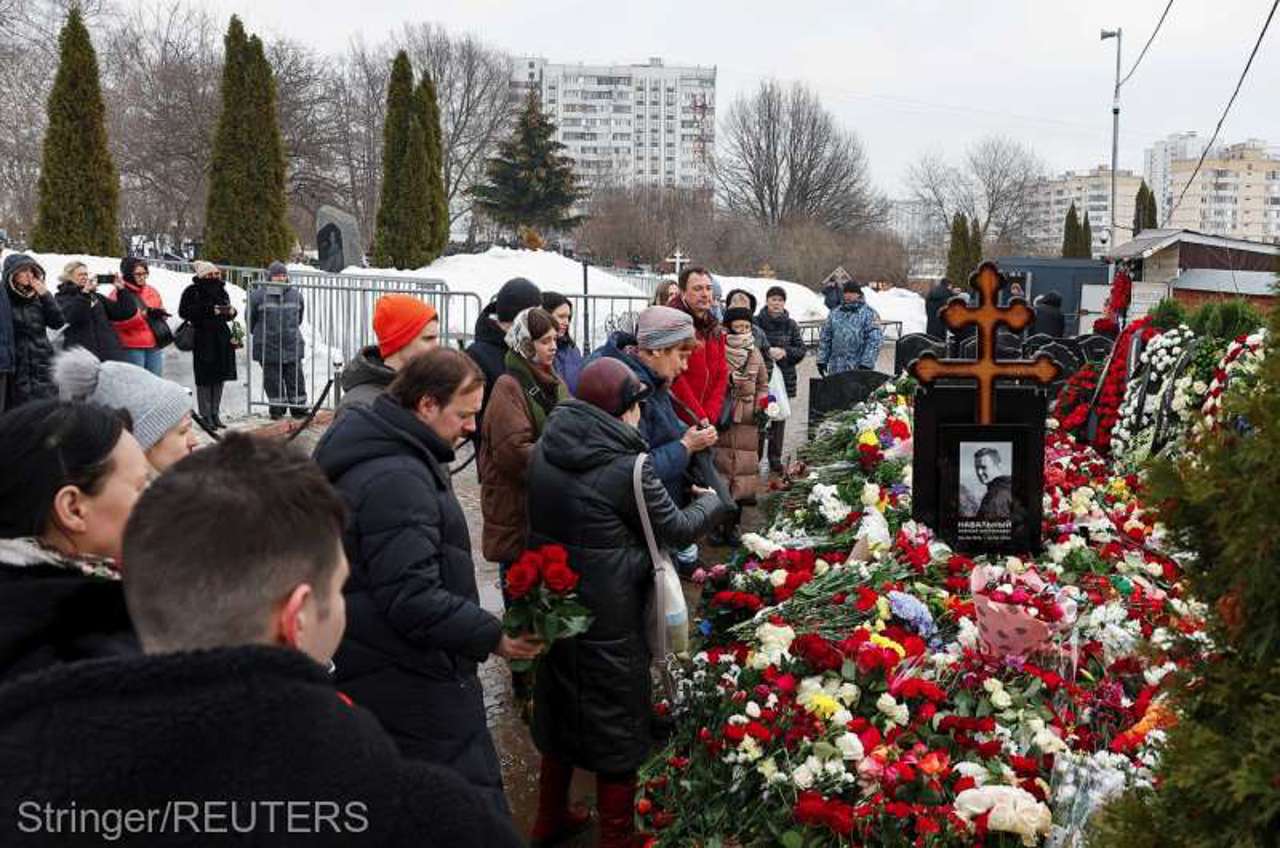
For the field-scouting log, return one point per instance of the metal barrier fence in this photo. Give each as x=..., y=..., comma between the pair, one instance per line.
x=595, y=316
x=647, y=283
x=811, y=331
x=300, y=334
x=240, y=275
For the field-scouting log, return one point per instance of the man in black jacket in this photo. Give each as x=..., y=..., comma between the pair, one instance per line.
x=228, y=731
x=938, y=297
x=786, y=349
x=416, y=631
x=1049, y=317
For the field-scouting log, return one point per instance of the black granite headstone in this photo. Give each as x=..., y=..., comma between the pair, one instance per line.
x=949, y=489
x=909, y=348
x=1094, y=347
x=838, y=392
x=329, y=248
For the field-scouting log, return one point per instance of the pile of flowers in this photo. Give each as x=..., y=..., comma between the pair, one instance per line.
x=1240, y=363
x=1133, y=432
x=1115, y=379
x=851, y=686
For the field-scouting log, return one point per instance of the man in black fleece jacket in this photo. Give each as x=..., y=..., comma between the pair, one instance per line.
x=228, y=730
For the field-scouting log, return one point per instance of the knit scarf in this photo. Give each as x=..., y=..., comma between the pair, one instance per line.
x=30, y=551
x=542, y=389
x=738, y=349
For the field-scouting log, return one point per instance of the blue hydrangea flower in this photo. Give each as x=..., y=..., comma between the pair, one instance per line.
x=915, y=614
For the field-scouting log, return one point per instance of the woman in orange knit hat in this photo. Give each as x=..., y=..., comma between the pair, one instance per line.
x=405, y=327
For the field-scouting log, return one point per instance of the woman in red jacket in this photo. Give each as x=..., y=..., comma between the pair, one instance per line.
x=700, y=391
x=136, y=335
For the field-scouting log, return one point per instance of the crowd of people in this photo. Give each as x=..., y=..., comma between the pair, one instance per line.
x=311, y=627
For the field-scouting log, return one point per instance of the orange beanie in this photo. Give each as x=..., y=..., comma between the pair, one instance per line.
x=397, y=318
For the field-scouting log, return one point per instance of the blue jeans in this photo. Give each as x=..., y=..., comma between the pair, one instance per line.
x=150, y=358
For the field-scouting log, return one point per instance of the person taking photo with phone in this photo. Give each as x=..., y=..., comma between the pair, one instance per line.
x=34, y=311
x=89, y=314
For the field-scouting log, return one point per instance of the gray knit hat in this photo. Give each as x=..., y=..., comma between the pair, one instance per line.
x=155, y=404
x=661, y=327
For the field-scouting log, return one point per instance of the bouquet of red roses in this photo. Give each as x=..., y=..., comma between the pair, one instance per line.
x=541, y=599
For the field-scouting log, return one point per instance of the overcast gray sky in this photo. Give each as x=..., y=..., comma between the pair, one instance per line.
x=907, y=76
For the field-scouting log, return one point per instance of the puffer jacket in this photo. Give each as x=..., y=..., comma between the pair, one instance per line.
x=364, y=378
x=850, y=339
x=568, y=362
x=660, y=427
x=6, y=316
x=593, y=693
x=134, y=332
x=782, y=332
x=89, y=316
x=737, y=458
x=276, y=311
x=704, y=383
x=32, y=377
x=58, y=609
x=938, y=298
x=415, y=629
x=503, y=464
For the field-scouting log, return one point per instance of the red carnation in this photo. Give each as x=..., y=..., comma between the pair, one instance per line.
x=819, y=653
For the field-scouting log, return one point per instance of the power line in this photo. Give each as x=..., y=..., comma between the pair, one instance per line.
x=1230, y=103
x=1159, y=24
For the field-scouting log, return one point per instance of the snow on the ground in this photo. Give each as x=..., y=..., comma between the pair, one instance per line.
x=805, y=304
x=899, y=305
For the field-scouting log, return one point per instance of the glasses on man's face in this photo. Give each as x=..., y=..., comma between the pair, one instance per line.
x=141, y=272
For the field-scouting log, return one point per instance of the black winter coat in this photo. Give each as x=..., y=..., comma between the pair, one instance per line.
x=89, y=316
x=593, y=697
x=783, y=332
x=489, y=350
x=415, y=628
x=213, y=358
x=938, y=297
x=244, y=730
x=364, y=378
x=1050, y=320
x=32, y=377
x=51, y=612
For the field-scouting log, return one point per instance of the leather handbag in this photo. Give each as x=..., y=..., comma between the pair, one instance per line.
x=185, y=337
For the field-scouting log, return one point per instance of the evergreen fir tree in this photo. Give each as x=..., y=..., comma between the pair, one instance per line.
x=975, y=245
x=958, y=266
x=438, y=202
x=78, y=185
x=1144, y=209
x=246, y=210
x=1218, y=780
x=403, y=227
x=1071, y=234
x=530, y=182
x=1085, y=249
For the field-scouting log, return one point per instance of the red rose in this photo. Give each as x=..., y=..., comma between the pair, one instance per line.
x=819, y=653
x=553, y=555
x=560, y=578
x=522, y=577
x=839, y=817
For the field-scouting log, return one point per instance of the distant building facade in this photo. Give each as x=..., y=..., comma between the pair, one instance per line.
x=1235, y=194
x=1158, y=162
x=1090, y=191
x=649, y=124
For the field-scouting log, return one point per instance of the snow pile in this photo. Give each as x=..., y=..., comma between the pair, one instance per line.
x=803, y=303
x=899, y=305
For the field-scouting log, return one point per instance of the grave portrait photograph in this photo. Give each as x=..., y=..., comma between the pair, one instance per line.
x=986, y=490
x=989, y=488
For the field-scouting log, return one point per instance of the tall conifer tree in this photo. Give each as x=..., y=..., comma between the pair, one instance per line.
x=975, y=244
x=401, y=205
x=246, y=210
x=958, y=267
x=78, y=186
x=530, y=182
x=1085, y=249
x=1071, y=233
x=439, y=203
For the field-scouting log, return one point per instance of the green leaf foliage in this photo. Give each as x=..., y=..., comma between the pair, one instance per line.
x=78, y=187
x=975, y=244
x=958, y=251
x=1084, y=249
x=530, y=182
x=1219, y=778
x=1071, y=234
x=1168, y=313
x=1225, y=319
x=246, y=210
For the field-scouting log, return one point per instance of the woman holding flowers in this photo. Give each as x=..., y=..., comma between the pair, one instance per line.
x=593, y=692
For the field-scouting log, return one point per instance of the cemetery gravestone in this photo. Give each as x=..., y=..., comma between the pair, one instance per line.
x=909, y=348
x=338, y=243
x=837, y=392
x=978, y=468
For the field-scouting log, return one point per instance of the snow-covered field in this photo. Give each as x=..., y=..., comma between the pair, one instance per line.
x=481, y=274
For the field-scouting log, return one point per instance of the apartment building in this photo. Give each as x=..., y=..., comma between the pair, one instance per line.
x=1090, y=191
x=1158, y=162
x=1236, y=193
x=628, y=124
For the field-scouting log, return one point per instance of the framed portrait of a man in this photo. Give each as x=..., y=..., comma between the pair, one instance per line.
x=990, y=490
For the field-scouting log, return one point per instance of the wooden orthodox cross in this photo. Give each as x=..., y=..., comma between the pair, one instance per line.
x=985, y=369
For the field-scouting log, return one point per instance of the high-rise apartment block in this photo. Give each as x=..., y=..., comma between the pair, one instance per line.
x=1236, y=192
x=1158, y=166
x=1090, y=191
x=628, y=124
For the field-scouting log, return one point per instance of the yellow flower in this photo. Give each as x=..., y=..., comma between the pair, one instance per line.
x=869, y=437
x=886, y=642
x=882, y=608
x=823, y=705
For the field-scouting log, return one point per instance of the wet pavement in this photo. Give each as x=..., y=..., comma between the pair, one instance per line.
x=518, y=755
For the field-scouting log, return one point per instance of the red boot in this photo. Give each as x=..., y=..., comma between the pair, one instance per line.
x=616, y=798
x=556, y=822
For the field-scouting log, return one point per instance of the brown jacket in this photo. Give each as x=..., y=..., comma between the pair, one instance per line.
x=506, y=448
x=737, y=457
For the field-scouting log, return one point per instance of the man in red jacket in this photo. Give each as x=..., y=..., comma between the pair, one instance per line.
x=699, y=392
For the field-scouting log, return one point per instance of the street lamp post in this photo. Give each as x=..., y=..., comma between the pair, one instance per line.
x=1115, y=142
